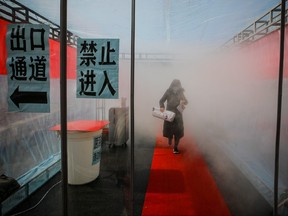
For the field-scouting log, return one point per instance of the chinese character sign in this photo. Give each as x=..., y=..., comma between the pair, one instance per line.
x=97, y=68
x=28, y=68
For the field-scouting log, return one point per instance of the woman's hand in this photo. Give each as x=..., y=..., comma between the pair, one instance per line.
x=162, y=109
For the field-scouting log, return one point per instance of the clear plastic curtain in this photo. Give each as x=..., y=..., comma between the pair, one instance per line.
x=232, y=90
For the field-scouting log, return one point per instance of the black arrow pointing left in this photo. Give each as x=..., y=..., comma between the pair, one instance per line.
x=28, y=97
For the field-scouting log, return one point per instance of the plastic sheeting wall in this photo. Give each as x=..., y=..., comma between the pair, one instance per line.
x=232, y=98
x=26, y=140
x=27, y=146
x=239, y=109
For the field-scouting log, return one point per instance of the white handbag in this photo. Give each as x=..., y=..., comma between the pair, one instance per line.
x=166, y=115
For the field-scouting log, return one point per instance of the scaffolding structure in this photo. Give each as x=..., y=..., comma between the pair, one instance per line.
x=15, y=12
x=264, y=25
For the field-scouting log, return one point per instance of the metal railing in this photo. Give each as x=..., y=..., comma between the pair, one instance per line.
x=14, y=12
x=156, y=57
x=264, y=25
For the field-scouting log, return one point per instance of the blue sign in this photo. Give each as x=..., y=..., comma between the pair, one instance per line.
x=28, y=68
x=97, y=68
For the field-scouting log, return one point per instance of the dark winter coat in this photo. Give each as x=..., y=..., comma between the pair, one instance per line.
x=172, y=97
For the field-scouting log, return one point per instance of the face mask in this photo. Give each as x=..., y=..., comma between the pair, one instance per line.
x=175, y=89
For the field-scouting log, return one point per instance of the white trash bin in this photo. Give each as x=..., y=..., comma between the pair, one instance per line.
x=84, y=154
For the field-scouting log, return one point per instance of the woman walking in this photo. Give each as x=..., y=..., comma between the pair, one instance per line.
x=175, y=102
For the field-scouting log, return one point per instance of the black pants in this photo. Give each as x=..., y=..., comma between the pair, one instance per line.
x=176, y=141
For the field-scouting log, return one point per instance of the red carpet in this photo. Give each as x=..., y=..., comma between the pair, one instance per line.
x=181, y=184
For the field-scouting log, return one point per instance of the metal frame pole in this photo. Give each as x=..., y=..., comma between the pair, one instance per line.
x=132, y=102
x=279, y=106
x=63, y=103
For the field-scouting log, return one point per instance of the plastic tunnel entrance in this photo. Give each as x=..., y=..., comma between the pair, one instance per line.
x=227, y=57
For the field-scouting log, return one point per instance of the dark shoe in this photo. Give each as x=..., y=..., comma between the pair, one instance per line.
x=175, y=151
